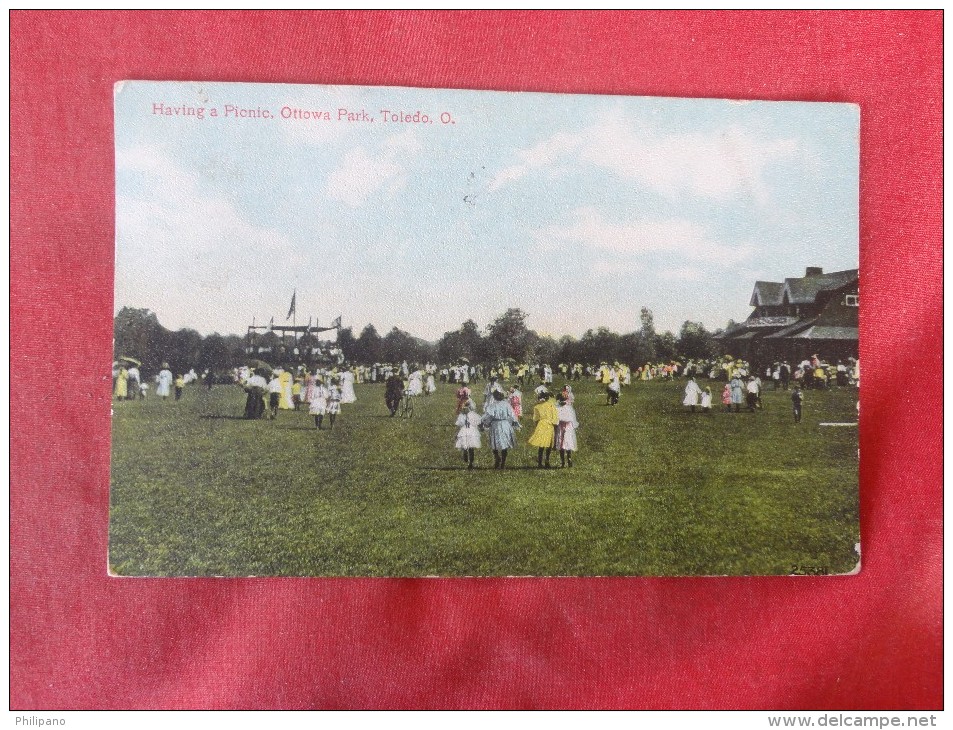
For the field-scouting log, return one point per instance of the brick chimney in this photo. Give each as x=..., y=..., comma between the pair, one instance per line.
x=814, y=271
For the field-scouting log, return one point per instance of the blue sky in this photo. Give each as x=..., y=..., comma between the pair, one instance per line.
x=578, y=209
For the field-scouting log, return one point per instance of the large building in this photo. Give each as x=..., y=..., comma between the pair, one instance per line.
x=799, y=317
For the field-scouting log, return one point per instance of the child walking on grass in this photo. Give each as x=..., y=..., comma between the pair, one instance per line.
x=797, y=398
x=706, y=400
x=468, y=437
x=334, y=400
x=318, y=406
x=566, y=431
x=544, y=436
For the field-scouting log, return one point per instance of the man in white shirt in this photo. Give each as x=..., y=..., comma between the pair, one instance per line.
x=754, y=390
x=256, y=387
x=274, y=394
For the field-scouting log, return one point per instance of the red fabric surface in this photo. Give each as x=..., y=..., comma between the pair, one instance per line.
x=82, y=640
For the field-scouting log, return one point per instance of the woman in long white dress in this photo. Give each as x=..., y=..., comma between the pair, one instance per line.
x=692, y=394
x=347, y=387
x=164, y=381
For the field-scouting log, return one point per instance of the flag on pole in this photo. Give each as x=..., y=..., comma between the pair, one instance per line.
x=337, y=322
x=291, y=310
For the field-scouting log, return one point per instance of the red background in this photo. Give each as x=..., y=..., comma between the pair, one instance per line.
x=82, y=640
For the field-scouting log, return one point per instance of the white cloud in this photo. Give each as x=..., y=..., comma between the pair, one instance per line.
x=636, y=239
x=406, y=142
x=721, y=164
x=540, y=155
x=180, y=245
x=360, y=175
x=684, y=273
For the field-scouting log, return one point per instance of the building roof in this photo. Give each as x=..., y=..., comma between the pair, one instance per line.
x=766, y=293
x=804, y=290
x=730, y=331
x=792, y=329
x=780, y=321
x=828, y=333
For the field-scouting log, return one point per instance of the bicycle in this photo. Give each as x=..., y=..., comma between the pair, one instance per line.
x=407, y=405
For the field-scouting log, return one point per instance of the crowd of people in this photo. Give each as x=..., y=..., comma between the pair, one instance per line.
x=323, y=391
x=128, y=383
x=744, y=387
x=554, y=415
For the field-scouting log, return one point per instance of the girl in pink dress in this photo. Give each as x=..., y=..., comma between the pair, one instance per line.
x=516, y=401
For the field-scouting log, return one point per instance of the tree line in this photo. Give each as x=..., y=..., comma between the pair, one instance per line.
x=139, y=334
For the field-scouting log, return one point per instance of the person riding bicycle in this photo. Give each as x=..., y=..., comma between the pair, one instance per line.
x=393, y=392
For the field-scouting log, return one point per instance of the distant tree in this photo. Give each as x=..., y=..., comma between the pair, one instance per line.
x=137, y=333
x=509, y=337
x=604, y=345
x=474, y=345
x=588, y=350
x=368, y=346
x=647, y=338
x=213, y=353
x=567, y=352
x=635, y=349
x=346, y=343
x=547, y=350
x=398, y=346
x=268, y=345
x=666, y=347
x=648, y=322
x=466, y=342
x=695, y=342
x=183, y=350
x=426, y=351
x=731, y=323
x=449, y=347
x=235, y=346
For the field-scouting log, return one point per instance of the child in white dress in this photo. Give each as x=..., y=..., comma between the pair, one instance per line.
x=566, y=431
x=319, y=401
x=706, y=400
x=468, y=437
x=334, y=400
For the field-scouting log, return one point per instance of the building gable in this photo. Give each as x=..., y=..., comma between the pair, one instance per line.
x=766, y=293
x=805, y=289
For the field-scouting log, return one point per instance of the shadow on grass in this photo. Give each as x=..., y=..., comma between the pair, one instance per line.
x=452, y=468
x=485, y=468
x=229, y=418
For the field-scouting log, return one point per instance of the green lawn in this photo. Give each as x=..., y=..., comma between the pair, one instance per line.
x=654, y=490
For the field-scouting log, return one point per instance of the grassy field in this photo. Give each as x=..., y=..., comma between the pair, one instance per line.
x=654, y=490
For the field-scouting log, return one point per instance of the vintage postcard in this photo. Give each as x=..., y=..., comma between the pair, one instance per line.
x=417, y=332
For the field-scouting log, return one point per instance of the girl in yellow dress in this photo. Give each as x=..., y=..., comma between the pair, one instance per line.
x=547, y=418
x=122, y=383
